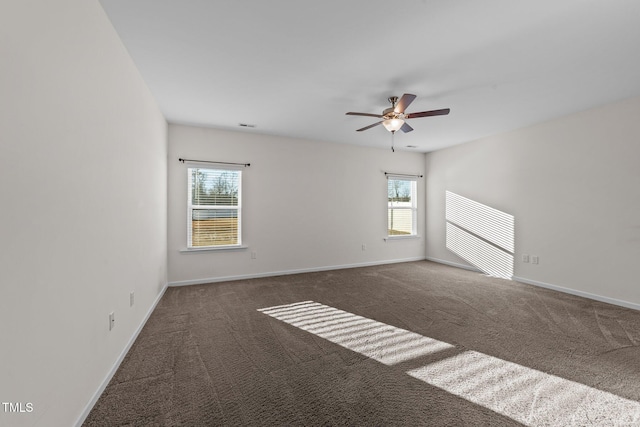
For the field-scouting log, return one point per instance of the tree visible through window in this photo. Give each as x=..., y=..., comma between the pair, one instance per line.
x=214, y=207
x=402, y=207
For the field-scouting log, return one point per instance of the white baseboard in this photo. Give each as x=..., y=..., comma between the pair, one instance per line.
x=453, y=264
x=112, y=372
x=595, y=297
x=288, y=272
x=570, y=291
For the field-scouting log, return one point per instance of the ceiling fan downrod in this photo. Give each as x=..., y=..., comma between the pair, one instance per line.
x=392, y=100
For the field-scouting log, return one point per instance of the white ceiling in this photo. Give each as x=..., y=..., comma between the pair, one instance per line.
x=294, y=67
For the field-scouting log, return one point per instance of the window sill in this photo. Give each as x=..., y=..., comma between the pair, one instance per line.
x=414, y=236
x=213, y=248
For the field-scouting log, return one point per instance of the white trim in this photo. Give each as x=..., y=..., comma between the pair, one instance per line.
x=288, y=272
x=209, y=164
x=454, y=264
x=583, y=294
x=114, y=368
x=192, y=207
x=412, y=207
x=401, y=237
x=562, y=289
x=406, y=177
x=213, y=248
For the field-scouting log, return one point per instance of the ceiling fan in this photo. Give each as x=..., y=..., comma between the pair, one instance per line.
x=394, y=118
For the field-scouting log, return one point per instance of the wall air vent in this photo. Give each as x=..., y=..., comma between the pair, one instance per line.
x=246, y=125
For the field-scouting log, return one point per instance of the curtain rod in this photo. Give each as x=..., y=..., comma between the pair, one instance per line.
x=217, y=163
x=403, y=174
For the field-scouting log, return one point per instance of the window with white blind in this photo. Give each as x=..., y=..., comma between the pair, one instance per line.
x=214, y=208
x=402, y=207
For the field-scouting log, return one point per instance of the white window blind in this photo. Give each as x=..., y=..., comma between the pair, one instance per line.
x=214, y=208
x=402, y=207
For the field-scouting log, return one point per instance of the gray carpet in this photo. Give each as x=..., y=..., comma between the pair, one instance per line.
x=402, y=344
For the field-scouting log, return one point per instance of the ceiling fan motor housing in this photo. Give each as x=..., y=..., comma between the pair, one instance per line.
x=390, y=113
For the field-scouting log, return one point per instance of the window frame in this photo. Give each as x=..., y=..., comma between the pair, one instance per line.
x=413, y=207
x=191, y=207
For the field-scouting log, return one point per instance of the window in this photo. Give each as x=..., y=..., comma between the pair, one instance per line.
x=214, y=214
x=402, y=211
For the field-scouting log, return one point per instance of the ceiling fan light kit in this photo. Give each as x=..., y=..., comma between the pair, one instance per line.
x=394, y=117
x=393, y=125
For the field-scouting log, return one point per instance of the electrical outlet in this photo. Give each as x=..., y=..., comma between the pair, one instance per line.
x=131, y=299
x=535, y=259
x=525, y=258
x=112, y=320
x=364, y=247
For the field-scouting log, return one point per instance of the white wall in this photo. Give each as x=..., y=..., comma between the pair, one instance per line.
x=306, y=205
x=83, y=217
x=573, y=185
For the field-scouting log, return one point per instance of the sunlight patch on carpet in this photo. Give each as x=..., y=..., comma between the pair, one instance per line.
x=379, y=341
x=523, y=394
x=527, y=395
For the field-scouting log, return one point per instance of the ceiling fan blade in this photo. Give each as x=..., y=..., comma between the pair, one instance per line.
x=442, y=112
x=364, y=114
x=368, y=127
x=406, y=128
x=404, y=102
